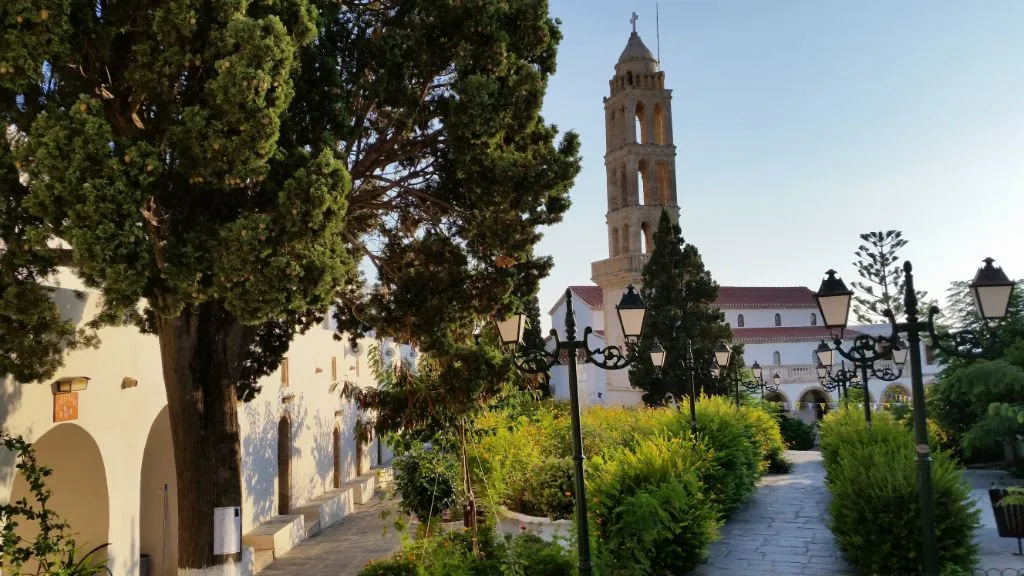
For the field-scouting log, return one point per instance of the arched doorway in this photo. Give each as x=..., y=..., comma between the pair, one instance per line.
x=158, y=500
x=895, y=395
x=813, y=405
x=78, y=487
x=778, y=398
x=284, y=466
x=337, y=457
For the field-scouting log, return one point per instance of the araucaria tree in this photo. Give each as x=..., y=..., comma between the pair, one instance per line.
x=881, y=285
x=226, y=163
x=680, y=293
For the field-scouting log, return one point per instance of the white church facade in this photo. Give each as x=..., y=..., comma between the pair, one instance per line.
x=108, y=442
x=779, y=326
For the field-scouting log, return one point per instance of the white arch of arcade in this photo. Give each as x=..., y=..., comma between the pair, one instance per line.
x=158, y=500
x=80, y=496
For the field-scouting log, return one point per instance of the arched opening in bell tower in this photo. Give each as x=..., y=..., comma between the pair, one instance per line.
x=641, y=124
x=659, y=125
x=646, y=242
x=615, y=242
x=663, y=184
x=623, y=187
x=646, y=196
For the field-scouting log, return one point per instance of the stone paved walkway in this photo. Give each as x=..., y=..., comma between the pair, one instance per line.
x=782, y=531
x=343, y=549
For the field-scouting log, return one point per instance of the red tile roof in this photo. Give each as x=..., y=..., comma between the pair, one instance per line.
x=765, y=297
x=592, y=296
x=785, y=334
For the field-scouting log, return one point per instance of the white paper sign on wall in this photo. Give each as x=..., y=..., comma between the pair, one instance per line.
x=227, y=530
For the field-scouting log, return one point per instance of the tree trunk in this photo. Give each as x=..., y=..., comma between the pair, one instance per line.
x=202, y=351
x=469, y=510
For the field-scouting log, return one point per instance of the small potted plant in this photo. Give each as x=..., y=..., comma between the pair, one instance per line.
x=1008, y=508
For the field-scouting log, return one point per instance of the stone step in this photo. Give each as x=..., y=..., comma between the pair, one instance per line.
x=278, y=534
x=329, y=508
x=363, y=487
x=262, y=559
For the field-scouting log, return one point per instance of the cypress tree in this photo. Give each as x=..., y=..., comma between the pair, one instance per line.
x=680, y=295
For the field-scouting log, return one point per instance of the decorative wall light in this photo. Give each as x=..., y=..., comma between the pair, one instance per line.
x=71, y=384
x=128, y=382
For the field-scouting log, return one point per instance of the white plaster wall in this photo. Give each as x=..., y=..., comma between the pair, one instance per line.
x=765, y=317
x=119, y=420
x=790, y=353
x=585, y=316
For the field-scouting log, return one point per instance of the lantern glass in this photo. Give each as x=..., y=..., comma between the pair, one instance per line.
x=723, y=353
x=822, y=371
x=825, y=352
x=833, y=298
x=776, y=379
x=757, y=371
x=511, y=329
x=899, y=354
x=991, y=289
x=657, y=354
x=632, y=311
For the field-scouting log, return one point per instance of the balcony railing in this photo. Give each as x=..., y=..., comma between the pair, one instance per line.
x=627, y=263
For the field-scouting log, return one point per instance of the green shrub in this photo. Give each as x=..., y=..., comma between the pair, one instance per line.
x=766, y=434
x=650, y=512
x=428, y=481
x=797, y=434
x=451, y=554
x=872, y=476
x=779, y=465
x=392, y=567
x=529, y=555
x=731, y=477
x=550, y=489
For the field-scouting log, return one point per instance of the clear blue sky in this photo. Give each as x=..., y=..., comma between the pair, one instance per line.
x=801, y=123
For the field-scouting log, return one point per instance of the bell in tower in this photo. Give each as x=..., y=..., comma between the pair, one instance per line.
x=641, y=175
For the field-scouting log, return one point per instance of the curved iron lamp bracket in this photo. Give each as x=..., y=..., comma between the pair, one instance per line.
x=887, y=374
x=865, y=347
x=533, y=361
x=963, y=343
x=611, y=357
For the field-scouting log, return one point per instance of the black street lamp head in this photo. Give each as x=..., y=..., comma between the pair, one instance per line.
x=824, y=352
x=991, y=289
x=899, y=353
x=723, y=354
x=756, y=370
x=833, y=298
x=776, y=379
x=657, y=354
x=632, y=311
x=511, y=329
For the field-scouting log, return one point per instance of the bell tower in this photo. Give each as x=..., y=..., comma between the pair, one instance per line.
x=641, y=180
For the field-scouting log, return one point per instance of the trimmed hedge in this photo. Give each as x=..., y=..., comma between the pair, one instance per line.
x=872, y=476
x=736, y=452
x=797, y=434
x=651, y=513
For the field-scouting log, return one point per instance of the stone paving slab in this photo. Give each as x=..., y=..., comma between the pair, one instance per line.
x=782, y=531
x=343, y=549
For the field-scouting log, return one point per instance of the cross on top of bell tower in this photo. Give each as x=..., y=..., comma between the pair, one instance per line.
x=633, y=20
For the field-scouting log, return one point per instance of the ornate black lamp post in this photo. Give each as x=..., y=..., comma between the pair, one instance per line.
x=991, y=289
x=631, y=311
x=841, y=379
x=760, y=382
x=866, y=350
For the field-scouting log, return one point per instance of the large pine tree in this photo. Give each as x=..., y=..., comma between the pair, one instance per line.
x=680, y=293
x=227, y=163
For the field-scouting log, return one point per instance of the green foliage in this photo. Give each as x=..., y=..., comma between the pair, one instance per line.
x=872, y=477
x=451, y=554
x=428, y=481
x=651, y=513
x=797, y=434
x=731, y=476
x=550, y=489
x=765, y=432
x=680, y=293
x=780, y=465
x=53, y=550
x=882, y=285
x=980, y=403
